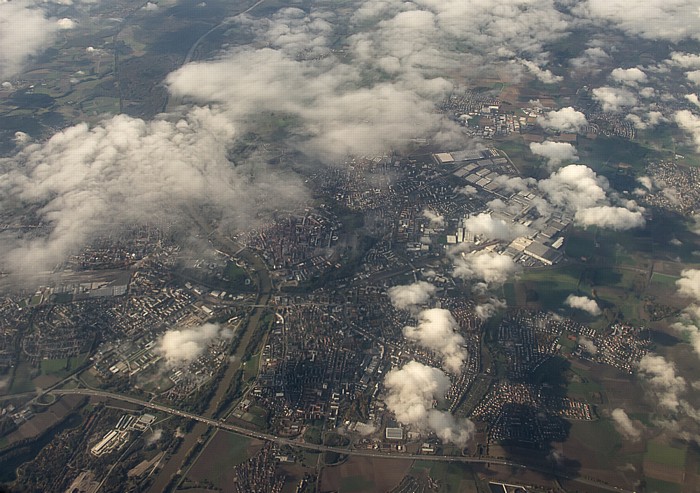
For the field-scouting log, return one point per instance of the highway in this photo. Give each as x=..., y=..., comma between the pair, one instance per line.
x=324, y=448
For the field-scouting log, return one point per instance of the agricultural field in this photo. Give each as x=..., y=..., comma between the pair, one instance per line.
x=364, y=475
x=216, y=461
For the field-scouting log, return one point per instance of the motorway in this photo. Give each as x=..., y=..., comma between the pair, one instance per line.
x=324, y=448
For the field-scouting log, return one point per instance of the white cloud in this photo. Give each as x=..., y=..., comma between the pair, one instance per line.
x=578, y=189
x=24, y=31
x=685, y=60
x=180, y=347
x=693, y=98
x=610, y=217
x=556, y=153
x=411, y=295
x=564, y=120
x=647, y=120
x=624, y=425
x=670, y=20
x=437, y=330
x=630, y=76
x=689, y=284
x=588, y=345
x=88, y=181
x=646, y=182
x=613, y=99
x=590, y=59
x=436, y=220
x=694, y=77
x=66, y=23
x=583, y=303
x=486, y=266
x=493, y=229
x=150, y=7
x=690, y=124
x=665, y=384
x=411, y=391
x=489, y=308
x=544, y=75
x=336, y=114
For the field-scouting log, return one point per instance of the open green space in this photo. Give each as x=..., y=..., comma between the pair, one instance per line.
x=664, y=280
x=62, y=367
x=354, y=484
x=550, y=287
x=22, y=380
x=250, y=367
x=449, y=476
x=658, y=486
x=599, y=436
x=665, y=454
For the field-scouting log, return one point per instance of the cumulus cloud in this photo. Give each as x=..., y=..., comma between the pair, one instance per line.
x=624, y=425
x=590, y=59
x=685, y=60
x=690, y=124
x=615, y=218
x=25, y=31
x=689, y=324
x=646, y=182
x=88, y=181
x=588, y=345
x=66, y=23
x=493, y=229
x=613, y=99
x=662, y=378
x=411, y=391
x=647, y=120
x=436, y=220
x=153, y=437
x=580, y=190
x=670, y=20
x=489, y=308
x=180, y=347
x=564, y=120
x=630, y=76
x=544, y=75
x=411, y=295
x=485, y=266
x=694, y=77
x=437, y=330
x=693, y=98
x=365, y=429
x=555, y=153
x=336, y=113
x=583, y=303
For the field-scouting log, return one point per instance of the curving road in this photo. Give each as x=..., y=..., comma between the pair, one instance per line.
x=324, y=448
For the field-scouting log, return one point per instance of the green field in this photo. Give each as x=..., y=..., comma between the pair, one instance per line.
x=354, y=484
x=658, y=486
x=599, y=436
x=665, y=454
x=449, y=476
x=552, y=286
x=664, y=280
x=61, y=367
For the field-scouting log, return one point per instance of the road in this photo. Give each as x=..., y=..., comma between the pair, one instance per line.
x=324, y=448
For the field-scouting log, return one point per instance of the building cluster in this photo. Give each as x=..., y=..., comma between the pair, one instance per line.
x=310, y=367
x=117, y=437
x=259, y=473
x=674, y=187
x=483, y=115
x=527, y=340
x=297, y=247
x=620, y=346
